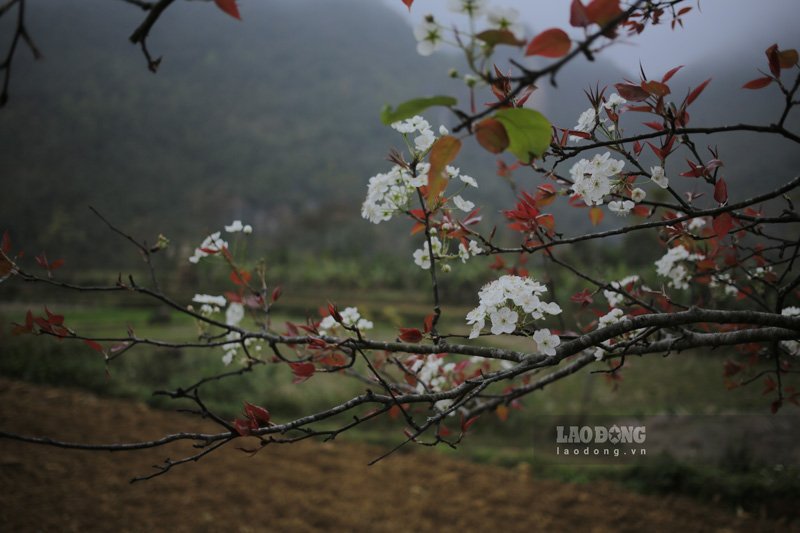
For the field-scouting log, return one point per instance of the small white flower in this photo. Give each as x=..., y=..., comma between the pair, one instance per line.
x=428, y=35
x=504, y=320
x=473, y=8
x=234, y=314
x=621, y=208
x=424, y=141
x=614, y=101
x=504, y=18
x=422, y=257
x=696, y=223
x=791, y=311
x=546, y=342
x=248, y=229
x=219, y=301
x=638, y=195
x=464, y=205
x=443, y=130
x=469, y=180
x=235, y=227
x=658, y=177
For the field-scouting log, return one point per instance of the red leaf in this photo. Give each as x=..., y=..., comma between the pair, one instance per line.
x=428, y=323
x=502, y=413
x=731, y=368
x=55, y=265
x=443, y=152
x=723, y=223
x=758, y=83
x=302, y=371
x=584, y=297
x=550, y=43
x=656, y=88
x=721, y=191
x=53, y=318
x=229, y=7
x=774, y=61
x=596, y=215
x=775, y=406
x=242, y=427
x=465, y=424
x=670, y=73
x=241, y=277
x=491, y=134
x=602, y=12
x=696, y=92
x=42, y=260
x=577, y=15
x=632, y=93
x=410, y=335
x=93, y=345
x=408, y=3
x=276, y=294
x=257, y=414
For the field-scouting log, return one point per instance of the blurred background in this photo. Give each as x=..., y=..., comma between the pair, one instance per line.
x=274, y=121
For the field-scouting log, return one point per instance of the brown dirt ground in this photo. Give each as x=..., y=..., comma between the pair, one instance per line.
x=304, y=487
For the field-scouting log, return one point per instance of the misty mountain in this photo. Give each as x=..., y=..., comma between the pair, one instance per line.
x=273, y=120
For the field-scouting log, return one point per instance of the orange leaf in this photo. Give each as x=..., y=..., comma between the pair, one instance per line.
x=550, y=43
x=229, y=7
x=240, y=278
x=758, y=83
x=491, y=134
x=577, y=14
x=408, y=3
x=787, y=58
x=443, y=152
x=596, y=215
x=502, y=413
x=656, y=88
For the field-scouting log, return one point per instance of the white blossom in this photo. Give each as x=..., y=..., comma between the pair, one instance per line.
x=546, y=342
x=591, y=177
x=504, y=320
x=614, y=101
x=658, y=177
x=218, y=301
x=621, y=207
x=671, y=266
x=234, y=314
x=235, y=226
x=473, y=8
x=638, y=195
x=504, y=18
x=210, y=244
x=429, y=36
x=469, y=180
x=464, y=205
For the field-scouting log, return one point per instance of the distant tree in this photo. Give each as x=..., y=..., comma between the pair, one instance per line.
x=727, y=276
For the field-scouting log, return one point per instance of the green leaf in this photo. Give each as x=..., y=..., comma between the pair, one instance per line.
x=529, y=132
x=414, y=107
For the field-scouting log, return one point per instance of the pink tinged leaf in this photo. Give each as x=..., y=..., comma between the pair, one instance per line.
x=723, y=223
x=302, y=371
x=93, y=345
x=577, y=15
x=670, y=73
x=721, y=191
x=758, y=83
x=696, y=92
x=257, y=413
x=632, y=93
x=229, y=7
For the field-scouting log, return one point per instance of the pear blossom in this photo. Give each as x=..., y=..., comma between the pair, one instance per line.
x=546, y=342
x=429, y=36
x=591, y=177
x=218, y=301
x=658, y=177
x=586, y=123
x=504, y=320
x=621, y=207
x=211, y=244
x=235, y=227
x=464, y=205
x=351, y=318
x=615, y=298
x=504, y=18
x=234, y=314
x=696, y=223
x=672, y=266
x=469, y=180
x=473, y=8
x=509, y=302
x=614, y=101
x=638, y=195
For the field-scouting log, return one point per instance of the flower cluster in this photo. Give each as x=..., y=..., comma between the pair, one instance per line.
x=591, y=119
x=614, y=298
x=509, y=302
x=424, y=137
x=591, y=178
x=390, y=193
x=351, y=318
x=610, y=318
x=793, y=347
x=422, y=256
x=214, y=243
x=672, y=266
x=430, y=34
x=234, y=314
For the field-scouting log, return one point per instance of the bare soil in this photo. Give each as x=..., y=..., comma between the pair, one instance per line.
x=303, y=487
